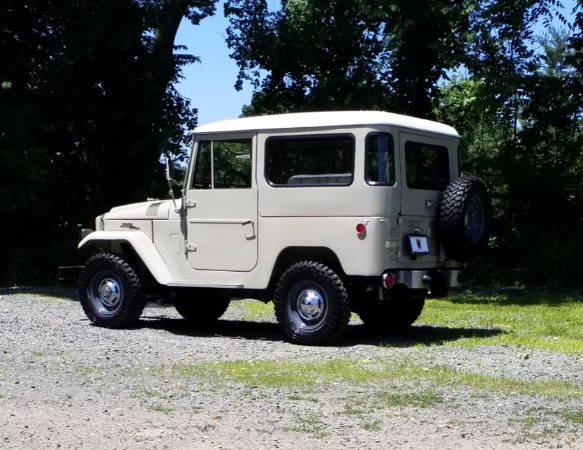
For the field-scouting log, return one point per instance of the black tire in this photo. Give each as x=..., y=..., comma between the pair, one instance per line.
x=110, y=291
x=394, y=313
x=311, y=304
x=465, y=218
x=202, y=311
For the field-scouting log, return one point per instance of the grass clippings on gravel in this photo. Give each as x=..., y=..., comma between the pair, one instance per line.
x=277, y=374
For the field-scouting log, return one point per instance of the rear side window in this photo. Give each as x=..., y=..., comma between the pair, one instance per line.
x=427, y=166
x=310, y=161
x=380, y=160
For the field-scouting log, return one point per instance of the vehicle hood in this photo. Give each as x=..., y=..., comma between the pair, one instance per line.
x=154, y=209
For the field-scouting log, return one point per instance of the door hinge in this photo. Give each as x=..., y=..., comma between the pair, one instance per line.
x=191, y=203
x=190, y=248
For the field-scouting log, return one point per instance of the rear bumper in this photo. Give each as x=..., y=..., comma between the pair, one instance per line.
x=420, y=279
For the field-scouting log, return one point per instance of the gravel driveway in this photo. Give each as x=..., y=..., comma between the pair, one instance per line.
x=67, y=384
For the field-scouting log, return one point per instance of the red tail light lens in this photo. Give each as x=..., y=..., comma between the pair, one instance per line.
x=360, y=228
x=389, y=280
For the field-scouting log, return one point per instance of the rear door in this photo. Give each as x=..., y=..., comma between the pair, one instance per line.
x=426, y=169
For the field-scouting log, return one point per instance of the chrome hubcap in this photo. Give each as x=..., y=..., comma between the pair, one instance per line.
x=109, y=292
x=310, y=305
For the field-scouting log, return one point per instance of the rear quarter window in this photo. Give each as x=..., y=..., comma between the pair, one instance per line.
x=380, y=160
x=310, y=160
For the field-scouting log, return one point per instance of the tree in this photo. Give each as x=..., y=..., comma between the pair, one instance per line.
x=341, y=54
x=86, y=109
x=527, y=142
x=518, y=108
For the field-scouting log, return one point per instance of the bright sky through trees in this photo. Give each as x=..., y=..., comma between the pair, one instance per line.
x=210, y=83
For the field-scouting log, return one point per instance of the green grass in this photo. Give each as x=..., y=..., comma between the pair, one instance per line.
x=574, y=416
x=532, y=320
x=371, y=425
x=255, y=311
x=276, y=374
x=383, y=399
x=423, y=399
x=308, y=423
x=544, y=425
x=160, y=408
x=85, y=369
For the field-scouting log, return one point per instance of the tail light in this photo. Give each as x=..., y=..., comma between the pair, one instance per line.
x=389, y=280
x=360, y=228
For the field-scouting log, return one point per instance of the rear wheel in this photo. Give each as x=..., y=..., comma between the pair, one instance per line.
x=311, y=304
x=110, y=291
x=396, y=312
x=201, y=311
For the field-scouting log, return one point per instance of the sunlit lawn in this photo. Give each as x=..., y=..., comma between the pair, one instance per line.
x=532, y=319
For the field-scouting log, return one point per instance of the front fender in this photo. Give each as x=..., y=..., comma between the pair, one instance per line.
x=141, y=244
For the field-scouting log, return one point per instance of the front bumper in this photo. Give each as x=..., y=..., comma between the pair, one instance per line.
x=69, y=273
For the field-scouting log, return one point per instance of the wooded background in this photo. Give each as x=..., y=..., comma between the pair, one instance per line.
x=88, y=107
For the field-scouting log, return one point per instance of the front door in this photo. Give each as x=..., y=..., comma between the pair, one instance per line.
x=221, y=206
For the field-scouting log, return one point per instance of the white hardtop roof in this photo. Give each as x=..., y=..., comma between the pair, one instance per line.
x=324, y=120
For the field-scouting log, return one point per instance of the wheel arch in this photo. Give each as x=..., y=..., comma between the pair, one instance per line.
x=291, y=255
x=134, y=246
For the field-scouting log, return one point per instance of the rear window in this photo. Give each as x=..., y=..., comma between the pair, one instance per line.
x=310, y=161
x=427, y=166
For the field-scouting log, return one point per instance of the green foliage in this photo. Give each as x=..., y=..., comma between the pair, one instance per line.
x=514, y=95
x=526, y=142
x=86, y=110
x=341, y=54
x=575, y=416
x=87, y=107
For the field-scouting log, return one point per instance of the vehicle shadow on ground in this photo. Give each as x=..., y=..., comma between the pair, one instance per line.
x=355, y=334
x=425, y=335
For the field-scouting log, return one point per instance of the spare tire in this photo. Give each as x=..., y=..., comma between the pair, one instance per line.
x=465, y=217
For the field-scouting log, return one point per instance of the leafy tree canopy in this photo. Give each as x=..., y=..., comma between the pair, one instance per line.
x=87, y=107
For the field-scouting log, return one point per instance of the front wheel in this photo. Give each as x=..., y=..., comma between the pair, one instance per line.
x=311, y=304
x=110, y=291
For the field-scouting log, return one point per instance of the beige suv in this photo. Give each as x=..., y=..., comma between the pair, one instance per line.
x=324, y=213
